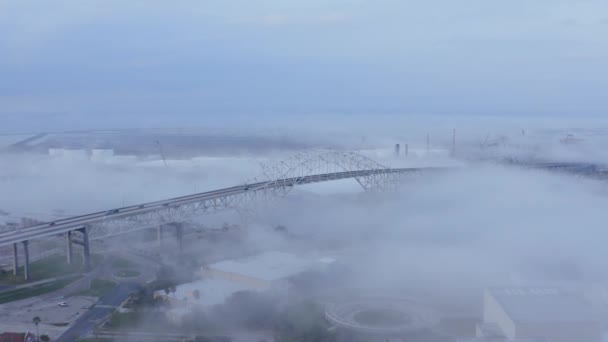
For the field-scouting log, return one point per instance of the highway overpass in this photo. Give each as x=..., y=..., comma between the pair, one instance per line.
x=299, y=170
x=81, y=229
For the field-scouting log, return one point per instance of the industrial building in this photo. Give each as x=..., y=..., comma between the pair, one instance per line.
x=547, y=314
x=268, y=271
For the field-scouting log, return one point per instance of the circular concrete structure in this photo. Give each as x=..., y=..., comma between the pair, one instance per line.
x=386, y=316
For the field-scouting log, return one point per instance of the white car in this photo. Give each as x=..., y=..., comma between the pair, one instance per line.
x=62, y=304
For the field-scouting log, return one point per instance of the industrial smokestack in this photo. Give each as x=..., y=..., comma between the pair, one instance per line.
x=397, y=150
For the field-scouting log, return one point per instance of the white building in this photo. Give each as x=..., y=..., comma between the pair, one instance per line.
x=538, y=314
x=102, y=154
x=268, y=271
x=69, y=153
x=206, y=292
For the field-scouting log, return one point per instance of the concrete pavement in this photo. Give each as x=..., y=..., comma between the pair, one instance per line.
x=104, y=307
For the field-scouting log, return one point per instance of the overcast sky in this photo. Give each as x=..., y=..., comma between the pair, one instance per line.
x=196, y=59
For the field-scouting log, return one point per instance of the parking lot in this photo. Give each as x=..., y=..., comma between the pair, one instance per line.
x=17, y=316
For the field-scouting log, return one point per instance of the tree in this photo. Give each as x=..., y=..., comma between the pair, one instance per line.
x=36, y=320
x=165, y=274
x=196, y=294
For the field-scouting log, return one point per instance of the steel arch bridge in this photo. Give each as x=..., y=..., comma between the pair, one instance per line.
x=370, y=174
x=276, y=180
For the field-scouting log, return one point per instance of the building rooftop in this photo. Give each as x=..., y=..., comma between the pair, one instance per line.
x=269, y=266
x=543, y=305
x=211, y=291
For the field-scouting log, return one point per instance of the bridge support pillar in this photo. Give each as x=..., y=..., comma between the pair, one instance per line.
x=86, y=253
x=159, y=235
x=179, y=234
x=26, y=261
x=69, y=252
x=15, y=259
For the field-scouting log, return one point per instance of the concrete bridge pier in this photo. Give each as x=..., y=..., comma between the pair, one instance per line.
x=179, y=233
x=26, y=262
x=15, y=259
x=86, y=254
x=159, y=235
x=86, y=250
x=70, y=249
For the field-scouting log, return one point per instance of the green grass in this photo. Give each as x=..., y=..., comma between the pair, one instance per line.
x=124, y=320
x=34, y=291
x=127, y=273
x=47, y=244
x=99, y=287
x=121, y=263
x=53, y=266
x=123, y=269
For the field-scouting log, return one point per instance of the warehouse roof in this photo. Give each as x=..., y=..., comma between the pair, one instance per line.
x=211, y=291
x=267, y=266
x=543, y=305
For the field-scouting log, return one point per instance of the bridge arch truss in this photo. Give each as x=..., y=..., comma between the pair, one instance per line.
x=275, y=181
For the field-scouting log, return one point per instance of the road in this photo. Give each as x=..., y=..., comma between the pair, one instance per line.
x=104, y=307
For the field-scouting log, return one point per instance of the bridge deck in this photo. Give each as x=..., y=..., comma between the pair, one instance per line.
x=76, y=222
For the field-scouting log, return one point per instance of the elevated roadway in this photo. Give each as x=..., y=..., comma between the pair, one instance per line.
x=145, y=215
x=77, y=222
x=338, y=165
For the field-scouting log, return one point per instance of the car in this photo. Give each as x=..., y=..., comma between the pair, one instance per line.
x=113, y=211
x=62, y=304
x=141, y=206
x=51, y=223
